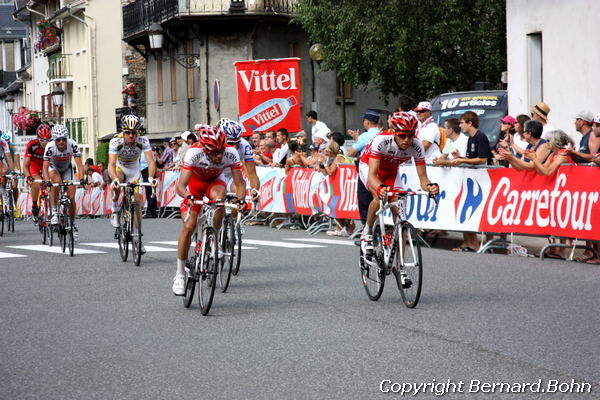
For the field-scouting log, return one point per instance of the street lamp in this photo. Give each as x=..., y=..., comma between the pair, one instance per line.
x=155, y=37
x=58, y=96
x=316, y=52
x=10, y=106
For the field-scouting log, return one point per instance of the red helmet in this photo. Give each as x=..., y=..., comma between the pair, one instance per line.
x=403, y=123
x=44, y=132
x=211, y=139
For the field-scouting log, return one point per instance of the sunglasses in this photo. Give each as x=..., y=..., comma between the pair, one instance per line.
x=214, y=153
x=60, y=140
x=129, y=132
x=421, y=111
x=405, y=135
x=44, y=140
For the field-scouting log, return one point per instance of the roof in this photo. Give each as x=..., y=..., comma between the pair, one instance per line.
x=9, y=28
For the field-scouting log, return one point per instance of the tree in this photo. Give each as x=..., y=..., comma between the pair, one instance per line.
x=417, y=47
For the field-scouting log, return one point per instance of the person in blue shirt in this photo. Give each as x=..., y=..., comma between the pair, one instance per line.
x=372, y=125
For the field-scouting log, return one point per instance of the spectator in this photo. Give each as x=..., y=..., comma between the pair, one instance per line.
x=264, y=154
x=519, y=144
x=533, y=135
x=296, y=157
x=319, y=129
x=405, y=104
x=315, y=157
x=166, y=159
x=478, y=153
x=371, y=120
x=281, y=154
x=174, y=145
x=189, y=139
x=428, y=131
x=456, y=141
x=257, y=136
x=593, y=143
x=583, y=125
x=272, y=136
x=182, y=143
x=94, y=178
x=301, y=140
x=540, y=112
x=104, y=171
x=130, y=91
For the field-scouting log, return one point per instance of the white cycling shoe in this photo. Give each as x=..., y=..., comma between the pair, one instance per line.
x=114, y=220
x=179, y=285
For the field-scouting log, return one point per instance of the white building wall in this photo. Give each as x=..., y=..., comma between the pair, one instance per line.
x=571, y=60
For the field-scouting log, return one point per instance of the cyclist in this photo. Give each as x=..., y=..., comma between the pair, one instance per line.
x=124, y=155
x=379, y=165
x=233, y=130
x=58, y=167
x=33, y=164
x=202, y=174
x=8, y=165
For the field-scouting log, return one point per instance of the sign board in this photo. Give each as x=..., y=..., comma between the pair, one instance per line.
x=21, y=143
x=269, y=94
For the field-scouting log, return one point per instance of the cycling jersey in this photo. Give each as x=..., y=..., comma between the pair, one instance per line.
x=61, y=160
x=245, y=151
x=35, y=151
x=4, y=148
x=128, y=155
x=203, y=168
x=384, y=148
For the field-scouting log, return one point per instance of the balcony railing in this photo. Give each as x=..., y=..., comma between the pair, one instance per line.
x=77, y=129
x=139, y=15
x=58, y=66
x=49, y=111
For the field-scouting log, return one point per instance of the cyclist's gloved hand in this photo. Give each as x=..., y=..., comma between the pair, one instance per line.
x=29, y=179
x=190, y=200
x=153, y=182
x=82, y=182
x=115, y=184
x=48, y=184
x=433, y=188
x=255, y=194
x=241, y=205
x=382, y=191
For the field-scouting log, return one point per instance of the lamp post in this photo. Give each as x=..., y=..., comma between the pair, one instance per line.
x=156, y=36
x=10, y=106
x=58, y=96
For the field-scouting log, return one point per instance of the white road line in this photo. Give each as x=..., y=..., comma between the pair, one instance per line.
x=174, y=243
x=279, y=244
x=11, y=255
x=328, y=241
x=55, y=249
x=114, y=245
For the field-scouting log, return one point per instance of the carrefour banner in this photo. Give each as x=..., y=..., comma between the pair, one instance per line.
x=268, y=94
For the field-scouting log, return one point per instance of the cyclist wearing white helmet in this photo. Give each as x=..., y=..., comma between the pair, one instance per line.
x=57, y=166
x=124, y=154
x=233, y=130
x=7, y=165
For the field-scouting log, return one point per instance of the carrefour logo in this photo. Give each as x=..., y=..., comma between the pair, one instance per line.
x=468, y=200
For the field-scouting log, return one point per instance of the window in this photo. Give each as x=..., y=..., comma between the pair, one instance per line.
x=347, y=91
x=535, y=65
x=295, y=50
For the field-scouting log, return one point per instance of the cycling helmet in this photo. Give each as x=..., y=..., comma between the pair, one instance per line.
x=211, y=139
x=59, y=132
x=403, y=123
x=43, y=132
x=5, y=136
x=221, y=122
x=130, y=122
x=197, y=127
x=233, y=130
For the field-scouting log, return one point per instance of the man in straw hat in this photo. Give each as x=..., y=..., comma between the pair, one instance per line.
x=540, y=112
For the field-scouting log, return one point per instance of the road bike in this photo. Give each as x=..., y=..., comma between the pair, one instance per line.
x=204, y=265
x=65, y=227
x=130, y=229
x=43, y=218
x=397, y=250
x=7, y=200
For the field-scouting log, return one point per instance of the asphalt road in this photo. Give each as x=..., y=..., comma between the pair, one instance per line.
x=295, y=324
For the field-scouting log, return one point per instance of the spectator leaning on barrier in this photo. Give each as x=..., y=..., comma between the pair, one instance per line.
x=478, y=153
x=257, y=136
x=428, y=132
x=296, y=157
x=533, y=135
x=264, y=154
x=519, y=144
x=281, y=154
x=456, y=141
x=104, y=172
x=167, y=155
x=583, y=125
x=540, y=112
x=593, y=143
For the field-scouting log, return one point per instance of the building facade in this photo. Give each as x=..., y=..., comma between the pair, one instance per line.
x=211, y=36
x=552, y=57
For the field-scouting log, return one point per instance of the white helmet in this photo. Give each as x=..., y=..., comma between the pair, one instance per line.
x=59, y=131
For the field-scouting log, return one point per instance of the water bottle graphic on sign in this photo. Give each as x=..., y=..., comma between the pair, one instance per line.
x=268, y=114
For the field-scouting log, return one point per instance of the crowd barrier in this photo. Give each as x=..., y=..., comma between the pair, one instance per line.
x=499, y=200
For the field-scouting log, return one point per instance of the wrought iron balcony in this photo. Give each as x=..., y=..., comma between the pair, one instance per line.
x=139, y=15
x=59, y=67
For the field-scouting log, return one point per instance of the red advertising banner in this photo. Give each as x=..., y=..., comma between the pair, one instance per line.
x=269, y=94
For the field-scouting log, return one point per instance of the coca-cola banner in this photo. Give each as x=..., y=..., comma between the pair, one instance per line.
x=269, y=94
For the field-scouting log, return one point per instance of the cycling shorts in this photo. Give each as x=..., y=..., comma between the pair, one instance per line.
x=35, y=170
x=131, y=174
x=66, y=174
x=199, y=188
x=386, y=179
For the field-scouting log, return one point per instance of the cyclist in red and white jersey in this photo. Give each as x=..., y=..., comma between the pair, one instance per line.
x=57, y=167
x=33, y=164
x=379, y=166
x=202, y=175
x=233, y=130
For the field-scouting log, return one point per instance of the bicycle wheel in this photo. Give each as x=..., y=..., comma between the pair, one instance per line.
x=136, y=236
x=1, y=222
x=237, y=252
x=61, y=228
x=122, y=235
x=408, y=265
x=208, y=264
x=226, y=256
x=192, y=273
x=69, y=239
x=11, y=213
x=373, y=275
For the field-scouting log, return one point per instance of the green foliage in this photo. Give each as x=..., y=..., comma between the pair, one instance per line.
x=102, y=153
x=417, y=47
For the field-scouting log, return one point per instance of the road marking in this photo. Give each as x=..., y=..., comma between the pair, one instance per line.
x=54, y=249
x=174, y=243
x=279, y=244
x=328, y=241
x=10, y=255
x=113, y=245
